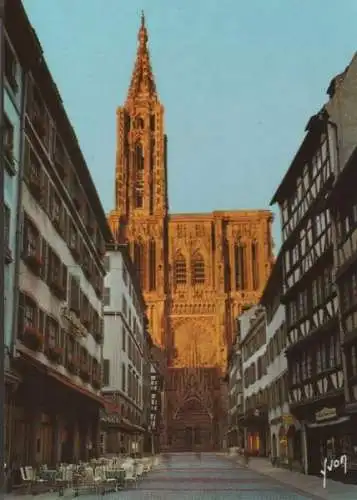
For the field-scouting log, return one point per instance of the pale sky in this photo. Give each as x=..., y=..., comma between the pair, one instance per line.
x=238, y=79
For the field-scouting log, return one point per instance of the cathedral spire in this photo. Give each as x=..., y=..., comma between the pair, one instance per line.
x=142, y=80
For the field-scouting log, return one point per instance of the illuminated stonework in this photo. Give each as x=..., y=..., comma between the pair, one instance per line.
x=197, y=270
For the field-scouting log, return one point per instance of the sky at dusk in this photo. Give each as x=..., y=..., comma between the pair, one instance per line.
x=239, y=80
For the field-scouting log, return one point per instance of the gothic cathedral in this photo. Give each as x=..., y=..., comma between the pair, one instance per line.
x=197, y=271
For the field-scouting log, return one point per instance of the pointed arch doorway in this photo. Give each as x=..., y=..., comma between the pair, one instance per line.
x=194, y=430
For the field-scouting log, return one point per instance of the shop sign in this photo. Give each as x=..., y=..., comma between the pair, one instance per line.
x=74, y=322
x=325, y=414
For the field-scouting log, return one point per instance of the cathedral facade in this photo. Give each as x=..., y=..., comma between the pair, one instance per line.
x=198, y=271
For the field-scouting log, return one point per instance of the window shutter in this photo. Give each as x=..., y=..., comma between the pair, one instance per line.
x=106, y=372
x=21, y=315
x=44, y=258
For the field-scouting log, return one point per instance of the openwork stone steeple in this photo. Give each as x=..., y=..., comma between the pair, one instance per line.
x=142, y=83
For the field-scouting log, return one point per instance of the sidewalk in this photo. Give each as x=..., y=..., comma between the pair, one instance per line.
x=308, y=484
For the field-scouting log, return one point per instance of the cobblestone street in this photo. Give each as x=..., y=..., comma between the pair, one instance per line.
x=214, y=477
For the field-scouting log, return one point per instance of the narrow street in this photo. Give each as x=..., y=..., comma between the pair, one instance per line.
x=186, y=477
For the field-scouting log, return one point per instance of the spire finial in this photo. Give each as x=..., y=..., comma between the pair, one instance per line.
x=142, y=19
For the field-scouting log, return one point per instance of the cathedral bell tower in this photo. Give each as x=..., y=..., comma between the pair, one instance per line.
x=141, y=202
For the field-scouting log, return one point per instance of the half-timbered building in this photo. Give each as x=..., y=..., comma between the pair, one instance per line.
x=343, y=203
x=313, y=346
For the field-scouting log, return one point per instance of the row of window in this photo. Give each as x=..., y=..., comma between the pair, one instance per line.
x=316, y=295
x=127, y=282
x=255, y=342
x=325, y=356
x=255, y=371
x=277, y=343
x=305, y=182
x=349, y=291
x=44, y=262
x=273, y=396
x=45, y=193
x=241, y=271
x=197, y=270
x=347, y=219
x=278, y=392
x=130, y=384
x=43, y=332
x=257, y=400
x=308, y=237
x=11, y=66
x=46, y=131
x=128, y=345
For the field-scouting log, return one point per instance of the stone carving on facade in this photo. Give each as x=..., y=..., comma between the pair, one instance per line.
x=196, y=343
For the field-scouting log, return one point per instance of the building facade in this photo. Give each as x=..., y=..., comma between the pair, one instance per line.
x=343, y=204
x=234, y=378
x=59, y=324
x=315, y=328
x=284, y=430
x=342, y=110
x=254, y=420
x=124, y=349
x=14, y=95
x=196, y=270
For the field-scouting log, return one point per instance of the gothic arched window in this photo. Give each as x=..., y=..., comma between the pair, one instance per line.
x=139, y=260
x=152, y=265
x=239, y=266
x=255, y=265
x=180, y=270
x=139, y=176
x=197, y=269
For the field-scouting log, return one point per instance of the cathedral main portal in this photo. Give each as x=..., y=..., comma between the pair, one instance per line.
x=193, y=404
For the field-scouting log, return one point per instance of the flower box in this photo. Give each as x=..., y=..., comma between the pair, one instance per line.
x=84, y=371
x=55, y=353
x=33, y=339
x=58, y=290
x=34, y=262
x=72, y=363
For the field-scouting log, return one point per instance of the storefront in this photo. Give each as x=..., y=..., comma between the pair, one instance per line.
x=53, y=418
x=286, y=441
x=257, y=433
x=327, y=437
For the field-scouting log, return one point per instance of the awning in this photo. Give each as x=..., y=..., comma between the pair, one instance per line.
x=48, y=371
